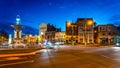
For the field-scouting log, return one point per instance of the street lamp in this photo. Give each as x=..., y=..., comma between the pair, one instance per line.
x=90, y=22
x=68, y=24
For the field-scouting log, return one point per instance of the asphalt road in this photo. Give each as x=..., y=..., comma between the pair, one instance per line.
x=67, y=57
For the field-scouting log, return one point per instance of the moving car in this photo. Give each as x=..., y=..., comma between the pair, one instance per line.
x=117, y=44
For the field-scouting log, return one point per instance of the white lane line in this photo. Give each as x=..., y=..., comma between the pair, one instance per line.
x=17, y=63
x=115, y=59
x=106, y=56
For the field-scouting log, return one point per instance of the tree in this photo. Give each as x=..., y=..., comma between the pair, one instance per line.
x=3, y=33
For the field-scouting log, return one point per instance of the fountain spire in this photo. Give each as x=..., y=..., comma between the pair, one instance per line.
x=18, y=19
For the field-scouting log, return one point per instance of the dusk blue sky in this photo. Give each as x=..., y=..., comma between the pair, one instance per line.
x=57, y=12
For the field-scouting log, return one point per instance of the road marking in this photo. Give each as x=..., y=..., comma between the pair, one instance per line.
x=22, y=54
x=87, y=52
x=106, y=56
x=17, y=63
x=114, y=59
x=11, y=58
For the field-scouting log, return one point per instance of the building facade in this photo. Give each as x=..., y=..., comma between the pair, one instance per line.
x=42, y=28
x=42, y=31
x=30, y=40
x=48, y=32
x=82, y=31
x=60, y=37
x=3, y=36
x=117, y=39
x=85, y=30
x=106, y=33
x=71, y=33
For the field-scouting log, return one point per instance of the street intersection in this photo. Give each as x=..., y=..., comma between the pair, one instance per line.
x=66, y=57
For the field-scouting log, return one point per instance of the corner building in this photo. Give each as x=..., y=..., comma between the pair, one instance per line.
x=85, y=30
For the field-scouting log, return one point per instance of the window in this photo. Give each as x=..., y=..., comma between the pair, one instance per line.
x=90, y=40
x=109, y=33
x=81, y=40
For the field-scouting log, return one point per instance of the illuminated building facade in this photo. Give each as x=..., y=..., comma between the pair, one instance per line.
x=82, y=31
x=42, y=31
x=106, y=33
x=3, y=37
x=48, y=32
x=85, y=30
x=71, y=33
x=30, y=40
x=60, y=37
x=42, y=28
